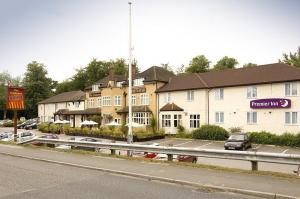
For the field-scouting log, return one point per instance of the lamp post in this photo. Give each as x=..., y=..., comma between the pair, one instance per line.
x=129, y=135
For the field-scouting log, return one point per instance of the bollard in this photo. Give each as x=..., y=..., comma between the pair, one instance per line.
x=113, y=152
x=254, y=165
x=170, y=157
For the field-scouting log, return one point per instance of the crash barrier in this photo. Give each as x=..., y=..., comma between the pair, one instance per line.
x=251, y=156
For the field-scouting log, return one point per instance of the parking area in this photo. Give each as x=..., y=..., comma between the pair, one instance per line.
x=206, y=144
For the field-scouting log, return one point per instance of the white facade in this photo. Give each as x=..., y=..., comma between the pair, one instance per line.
x=230, y=107
x=46, y=111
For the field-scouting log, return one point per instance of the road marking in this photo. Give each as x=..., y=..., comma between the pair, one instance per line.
x=203, y=145
x=285, y=151
x=182, y=143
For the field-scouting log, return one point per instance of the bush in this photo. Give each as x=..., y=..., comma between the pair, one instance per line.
x=235, y=129
x=8, y=124
x=43, y=127
x=286, y=139
x=53, y=128
x=210, y=132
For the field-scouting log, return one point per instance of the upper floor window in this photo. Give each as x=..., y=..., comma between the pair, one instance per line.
x=106, y=101
x=291, y=117
x=291, y=89
x=76, y=104
x=90, y=103
x=251, y=92
x=99, y=102
x=133, y=100
x=190, y=95
x=118, y=100
x=119, y=84
x=95, y=87
x=167, y=97
x=144, y=99
x=219, y=94
x=138, y=82
x=219, y=117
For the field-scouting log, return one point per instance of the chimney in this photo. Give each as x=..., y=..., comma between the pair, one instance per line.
x=133, y=69
x=111, y=74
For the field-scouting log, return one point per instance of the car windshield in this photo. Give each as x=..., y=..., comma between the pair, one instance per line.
x=236, y=137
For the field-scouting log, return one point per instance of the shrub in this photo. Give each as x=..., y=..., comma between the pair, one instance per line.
x=235, y=129
x=53, y=128
x=43, y=127
x=180, y=129
x=286, y=139
x=210, y=132
x=8, y=124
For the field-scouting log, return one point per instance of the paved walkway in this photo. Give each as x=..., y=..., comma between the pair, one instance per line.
x=253, y=182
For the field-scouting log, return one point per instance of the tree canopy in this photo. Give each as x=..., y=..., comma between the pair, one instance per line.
x=249, y=65
x=37, y=87
x=292, y=59
x=198, y=64
x=226, y=63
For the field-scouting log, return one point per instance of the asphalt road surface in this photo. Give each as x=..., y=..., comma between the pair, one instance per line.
x=23, y=178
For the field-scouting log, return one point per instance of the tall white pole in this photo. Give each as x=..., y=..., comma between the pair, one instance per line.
x=130, y=136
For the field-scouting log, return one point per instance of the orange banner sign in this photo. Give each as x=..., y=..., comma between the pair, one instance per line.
x=15, y=98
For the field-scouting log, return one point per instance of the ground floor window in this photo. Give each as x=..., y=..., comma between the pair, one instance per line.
x=166, y=121
x=194, y=120
x=219, y=117
x=141, y=118
x=291, y=117
x=177, y=120
x=118, y=120
x=252, y=117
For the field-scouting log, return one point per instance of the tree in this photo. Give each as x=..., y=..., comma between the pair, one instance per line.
x=119, y=66
x=180, y=70
x=199, y=64
x=37, y=87
x=249, y=65
x=5, y=80
x=226, y=63
x=292, y=59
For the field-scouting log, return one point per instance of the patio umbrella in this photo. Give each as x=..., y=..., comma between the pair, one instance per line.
x=88, y=123
x=65, y=122
x=58, y=122
x=134, y=124
x=113, y=123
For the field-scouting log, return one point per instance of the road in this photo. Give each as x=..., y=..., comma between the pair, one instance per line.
x=23, y=178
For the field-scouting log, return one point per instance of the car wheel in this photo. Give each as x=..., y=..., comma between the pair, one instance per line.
x=244, y=148
x=226, y=148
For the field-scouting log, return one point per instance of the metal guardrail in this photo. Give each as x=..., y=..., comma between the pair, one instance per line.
x=252, y=156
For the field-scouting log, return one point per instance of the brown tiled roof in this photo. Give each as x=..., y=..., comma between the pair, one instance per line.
x=270, y=73
x=135, y=109
x=65, y=97
x=89, y=111
x=155, y=73
x=103, y=83
x=171, y=107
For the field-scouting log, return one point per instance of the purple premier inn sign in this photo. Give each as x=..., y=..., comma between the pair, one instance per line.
x=270, y=103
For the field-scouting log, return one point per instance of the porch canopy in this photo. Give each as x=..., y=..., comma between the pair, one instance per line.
x=134, y=109
x=171, y=107
x=89, y=111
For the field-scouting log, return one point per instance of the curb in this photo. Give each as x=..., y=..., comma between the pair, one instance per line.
x=162, y=179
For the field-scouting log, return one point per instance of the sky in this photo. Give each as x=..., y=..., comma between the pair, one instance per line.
x=68, y=34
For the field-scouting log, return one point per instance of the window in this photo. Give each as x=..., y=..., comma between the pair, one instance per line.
x=144, y=99
x=76, y=104
x=99, y=102
x=167, y=97
x=90, y=103
x=166, y=121
x=291, y=117
x=95, y=87
x=118, y=100
x=219, y=94
x=119, y=84
x=177, y=120
x=133, y=100
x=141, y=118
x=251, y=92
x=252, y=117
x=219, y=117
x=118, y=120
x=291, y=89
x=194, y=121
x=106, y=101
x=138, y=82
x=190, y=96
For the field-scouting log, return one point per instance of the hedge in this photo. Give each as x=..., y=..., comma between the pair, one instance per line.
x=210, y=132
x=286, y=139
